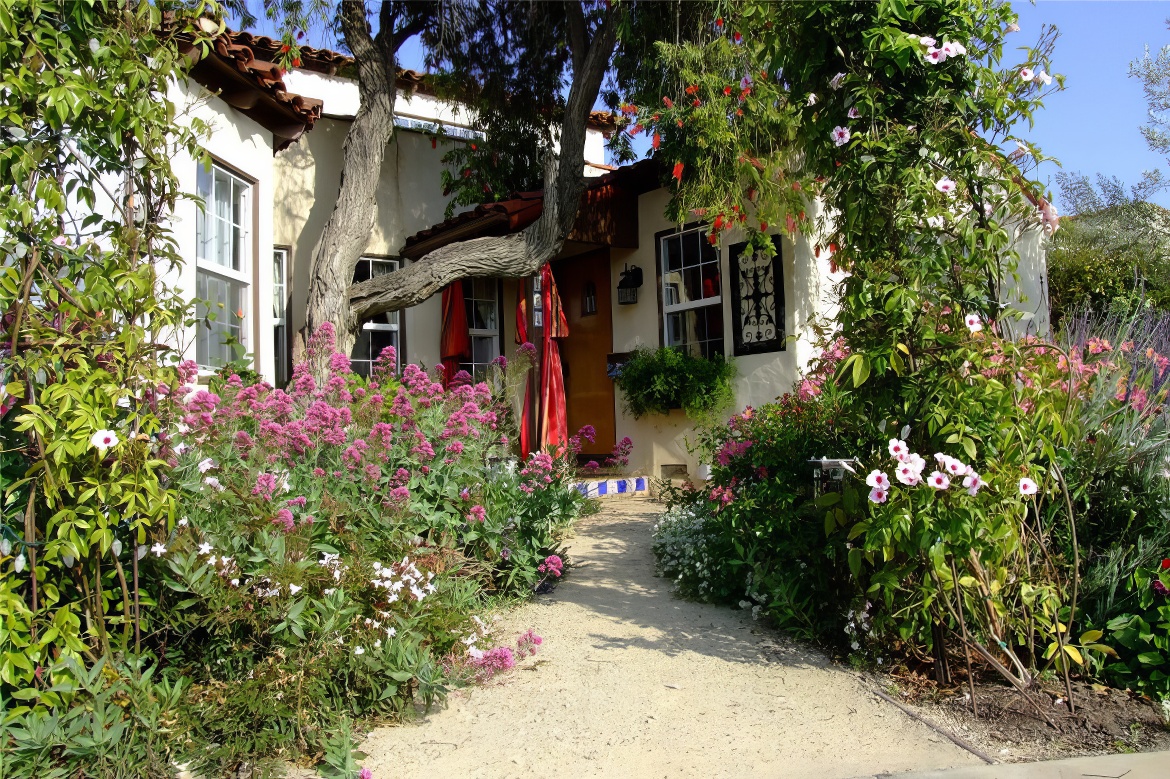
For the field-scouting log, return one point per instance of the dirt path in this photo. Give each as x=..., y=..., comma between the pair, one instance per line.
x=633, y=682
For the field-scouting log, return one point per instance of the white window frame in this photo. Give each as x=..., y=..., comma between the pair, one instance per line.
x=280, y=305
x=394, y=326
x=669, y=308
x=471, y=366
x=242, y=275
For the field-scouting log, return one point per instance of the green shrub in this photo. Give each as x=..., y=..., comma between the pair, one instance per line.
x=1142, y=639
x=655, y=382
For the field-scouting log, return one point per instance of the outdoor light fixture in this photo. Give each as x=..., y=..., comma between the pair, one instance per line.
x=828, y=473
x=627, y=288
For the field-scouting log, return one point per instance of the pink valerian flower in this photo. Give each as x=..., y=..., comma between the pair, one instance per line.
x=284, y=520
x=974, y=322
x=386, y=365
x=298, y=502
x=731, y=450
x=878, y=495
x=243, y=442
x=366, y=773
x=399, y=494
x=265, y=486
x=588, y=432
x=878, y=480
x=592, y=465
x=527, y=350
x=373, y=472
x=477, y=514
x=528, y=642
x=973, y=482
x=621, y=453
x=188, y=370
x=1028, y=487
x=938, y=481
x=318, y=472
x=339, y=363
x=455, y=447
x=552, y=566
x=493, y=662
x=840, y=135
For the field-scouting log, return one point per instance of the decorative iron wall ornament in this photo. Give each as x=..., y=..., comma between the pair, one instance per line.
x=757, y=299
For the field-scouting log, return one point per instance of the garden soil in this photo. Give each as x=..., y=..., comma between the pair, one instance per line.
x=632, y=682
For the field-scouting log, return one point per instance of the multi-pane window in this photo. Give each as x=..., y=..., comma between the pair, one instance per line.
x=222, y=257
x=378, y=331
x=482, y=299
x=692, y=301
x=280, y=348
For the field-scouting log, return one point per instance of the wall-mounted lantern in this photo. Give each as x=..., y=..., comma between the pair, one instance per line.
x=627, y=288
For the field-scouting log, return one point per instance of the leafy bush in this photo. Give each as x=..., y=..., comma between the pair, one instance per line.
x=654, y=382
x=1142, y=639
x=334, y=544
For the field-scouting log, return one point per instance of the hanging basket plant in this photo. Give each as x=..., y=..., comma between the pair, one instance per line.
x=657, y=381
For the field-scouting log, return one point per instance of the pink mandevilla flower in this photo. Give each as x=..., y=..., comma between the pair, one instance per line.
x=1028, y=487
x=938, y=481
x=840, y=135
x=878, y=495
x=946, y=185
x=1026, y=74
x=878, y=480
x=974, y=322
x=973, y=482
x=898, y=449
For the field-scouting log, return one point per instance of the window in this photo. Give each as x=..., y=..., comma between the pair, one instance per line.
x=282, y=355
x=692, y=301
x=757, y=299
x=482, y=299
x=222, y=255
x=589, y=299
x=379, y=331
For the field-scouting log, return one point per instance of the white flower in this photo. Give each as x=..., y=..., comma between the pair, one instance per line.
x=974, y=322
x=973, y=482
x=935, y=56
x=938, y=481
x=1013, y=27
x=293, y=589
x=1026, y=74
x=205, y=548
x=937, y=222
x=878, y=495
x=206, y=465
x=211, y=560
x=954, y=467
x=855, y=646
x=213, y=482
x=18, y=563
x=94, y=45
x=235, y=582
x=812, y=98
x=5, y=547
x=1043, y=77
x=952, y=49
x=877, y=479
x=840, y=135
x=835, y=82
x=183, y=522
x=926, y=40
x=907, y=474
x=159, y=550
x=378, y=643
x=357, y=650
x=945, y=185
x=330, y=591
x=103, y=440
x=898, y=448
x=1027, y=486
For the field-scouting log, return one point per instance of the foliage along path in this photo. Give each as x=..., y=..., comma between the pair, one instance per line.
x=633, y=682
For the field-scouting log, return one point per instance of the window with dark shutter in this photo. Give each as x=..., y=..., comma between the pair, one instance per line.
x=757, y=299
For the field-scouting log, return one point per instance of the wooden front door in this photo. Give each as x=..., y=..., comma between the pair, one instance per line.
x=584, y=285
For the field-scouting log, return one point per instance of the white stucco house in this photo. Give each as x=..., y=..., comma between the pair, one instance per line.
x=277, y=151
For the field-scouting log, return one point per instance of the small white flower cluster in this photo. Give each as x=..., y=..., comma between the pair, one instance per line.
x=681, y=550
x=857, y=625
x=481, y=633
x=403, y=576
x=333, y=563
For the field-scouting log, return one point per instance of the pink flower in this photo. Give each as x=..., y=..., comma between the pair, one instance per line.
x=938, y=481
x=853, y=113
x=945, y=185
x=974, y=322
x=477, y=514
x=973, y=482
x=898, y=448
x=878, y=480
x=552, y=565
x=284, y=519
x=878, y=495
x=366, y=773
x=1028, y=487
x=935, y=56
x=1026, y=74
x=836, y=81
x=265, y=486
x=60, y=240
x=840, y=135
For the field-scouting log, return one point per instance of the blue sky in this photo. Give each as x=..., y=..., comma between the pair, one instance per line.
x=1092, y=126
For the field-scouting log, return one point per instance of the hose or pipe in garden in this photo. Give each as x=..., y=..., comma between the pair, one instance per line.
x=941, y=731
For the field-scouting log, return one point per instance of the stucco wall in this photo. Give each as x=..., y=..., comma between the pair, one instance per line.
x=409, y=199
x=242, y=145
x=660, y=442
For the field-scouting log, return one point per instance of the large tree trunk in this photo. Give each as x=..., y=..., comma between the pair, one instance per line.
x=524, y=253
x=347, y=232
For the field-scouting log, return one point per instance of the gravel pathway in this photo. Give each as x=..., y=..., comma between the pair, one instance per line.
x=632, y=682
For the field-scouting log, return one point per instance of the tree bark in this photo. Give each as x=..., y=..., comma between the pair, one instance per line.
x=346, y=233
x=524, y=253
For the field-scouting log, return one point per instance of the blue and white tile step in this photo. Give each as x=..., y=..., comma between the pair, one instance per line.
x=593, y=489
